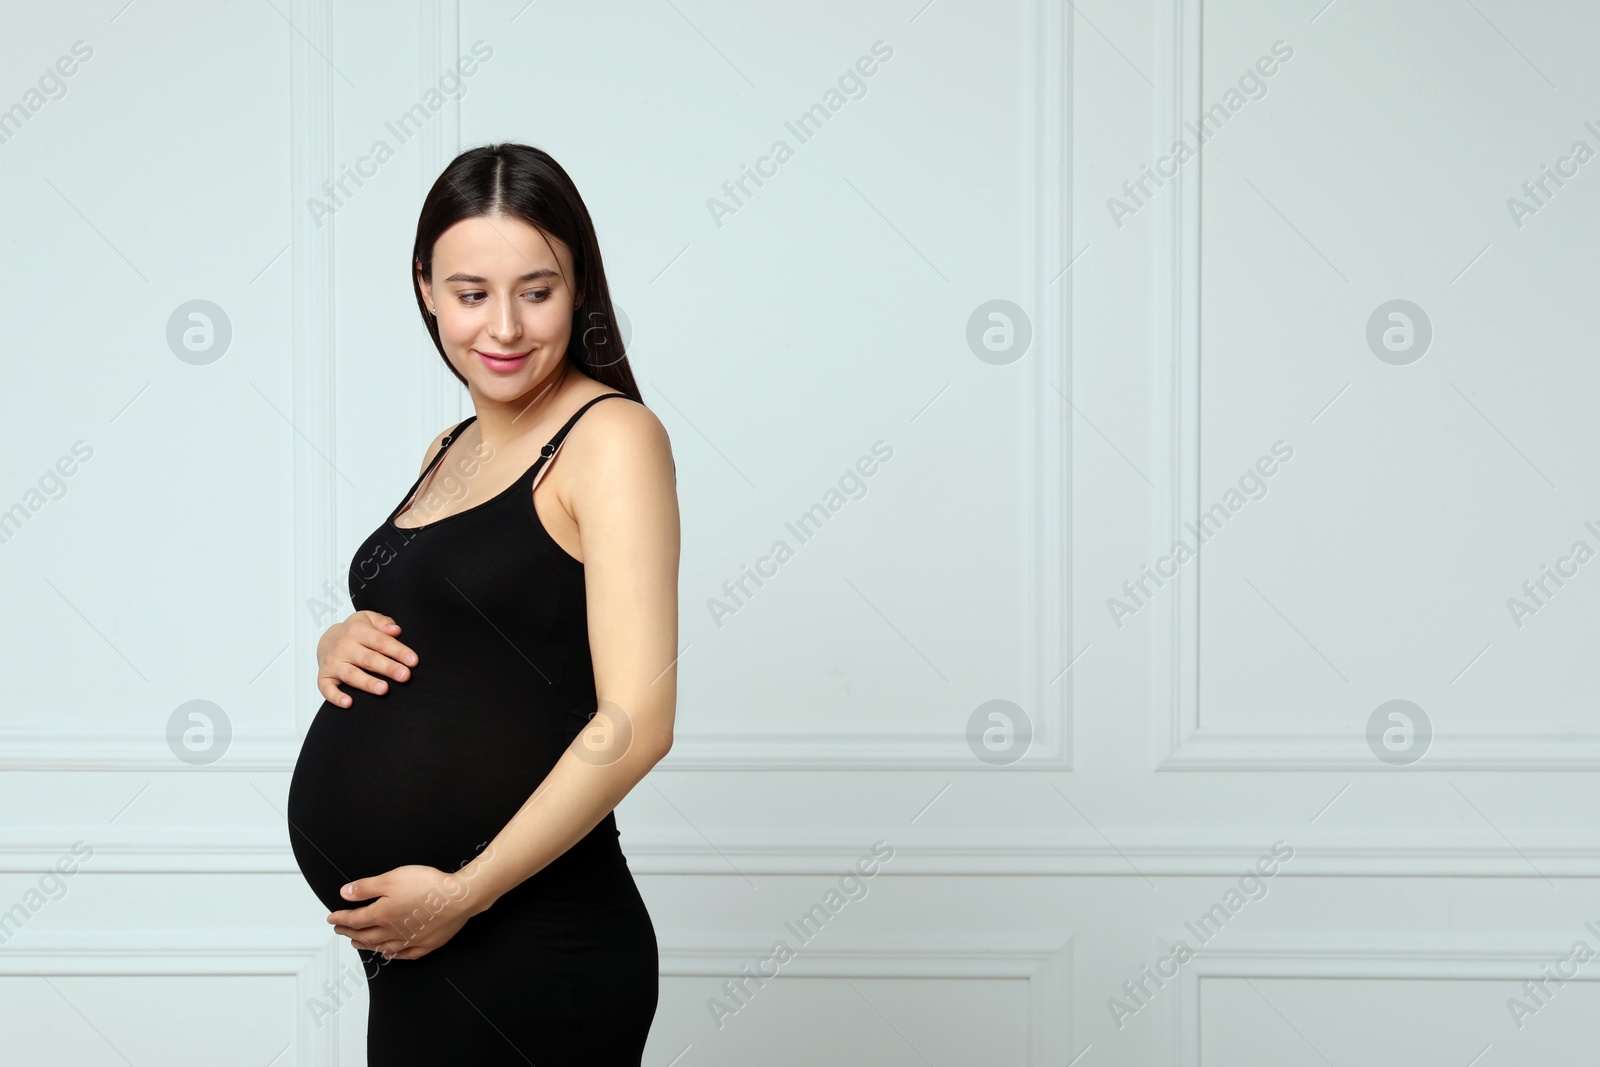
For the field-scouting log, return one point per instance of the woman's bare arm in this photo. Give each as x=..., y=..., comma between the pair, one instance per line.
x=624, y=497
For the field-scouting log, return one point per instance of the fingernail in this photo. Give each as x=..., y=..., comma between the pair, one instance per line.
x=347, y=890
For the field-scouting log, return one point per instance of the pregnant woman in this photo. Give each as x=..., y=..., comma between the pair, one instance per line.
x=509, y=673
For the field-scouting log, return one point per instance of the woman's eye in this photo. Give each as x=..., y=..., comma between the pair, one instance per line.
x=539, y=295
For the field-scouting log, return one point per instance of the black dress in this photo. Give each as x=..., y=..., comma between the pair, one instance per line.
x=562, y=969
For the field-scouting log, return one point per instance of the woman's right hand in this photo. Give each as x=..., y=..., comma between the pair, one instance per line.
x=364, y=640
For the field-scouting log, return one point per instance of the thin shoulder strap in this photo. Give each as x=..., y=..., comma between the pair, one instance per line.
x=554, y=444
x=444, y=445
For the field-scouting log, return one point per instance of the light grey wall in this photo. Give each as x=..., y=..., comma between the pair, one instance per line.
x=1071, y=339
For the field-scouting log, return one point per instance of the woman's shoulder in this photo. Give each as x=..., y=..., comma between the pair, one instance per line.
x=622, y=432
x=434, y=446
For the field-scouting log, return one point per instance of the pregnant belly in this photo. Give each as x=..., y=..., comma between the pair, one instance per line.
x=401, y=779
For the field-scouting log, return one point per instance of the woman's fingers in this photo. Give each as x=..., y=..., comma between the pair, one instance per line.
x=397, y=652
x=376, y=650
x=376, y=663
x=388, y=657
x=332, y=693
x=365, y=640
x=340, y=672
x=344, y=671
x=379, y=939
x=379, y=619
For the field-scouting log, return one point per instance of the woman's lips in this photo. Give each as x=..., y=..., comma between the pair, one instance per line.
x=501, y=361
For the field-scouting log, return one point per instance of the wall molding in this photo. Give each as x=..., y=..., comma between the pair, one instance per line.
x=1047, y=969
x=444, y=400
x=1500, y=750
x=1377, y=955
x=1182, y=742
x=1049, y=417
x=264, y=849
x=1047, y=54
x=182, y=954
x=311, y=155
x=318, y=554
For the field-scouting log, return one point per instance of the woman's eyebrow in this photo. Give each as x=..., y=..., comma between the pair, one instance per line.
x=531, y=276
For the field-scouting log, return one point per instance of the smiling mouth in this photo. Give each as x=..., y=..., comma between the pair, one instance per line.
x=503, y=361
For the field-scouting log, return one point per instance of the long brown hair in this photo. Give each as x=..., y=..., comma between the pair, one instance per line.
x=523, y=182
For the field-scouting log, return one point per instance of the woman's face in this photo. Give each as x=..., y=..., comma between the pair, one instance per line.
x=503, y=298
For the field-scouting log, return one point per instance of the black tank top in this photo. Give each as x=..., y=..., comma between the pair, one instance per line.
x=433, y=769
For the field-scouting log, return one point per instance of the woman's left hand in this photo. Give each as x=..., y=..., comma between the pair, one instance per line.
x=417, y=909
